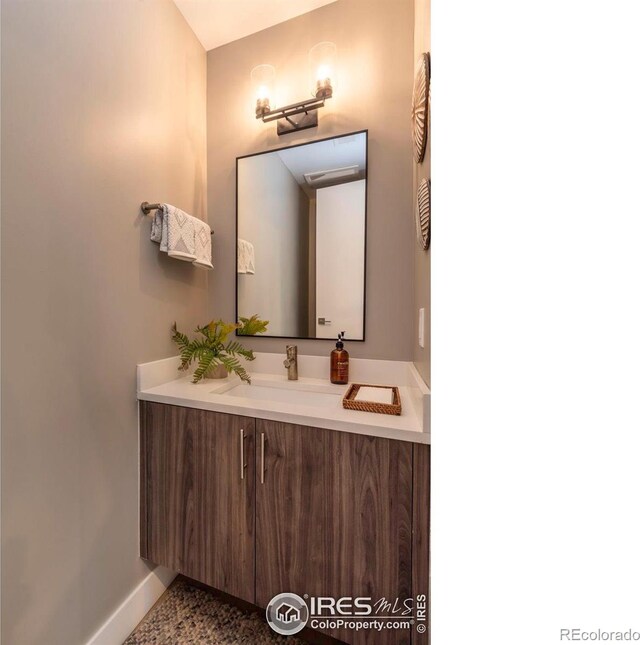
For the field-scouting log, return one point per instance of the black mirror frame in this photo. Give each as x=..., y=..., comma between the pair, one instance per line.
x=366, y=235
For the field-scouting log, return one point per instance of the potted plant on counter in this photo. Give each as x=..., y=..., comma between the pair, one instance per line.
x=215, y=354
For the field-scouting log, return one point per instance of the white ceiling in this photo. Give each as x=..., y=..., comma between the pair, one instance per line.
x=325, y=155
x=216, y=22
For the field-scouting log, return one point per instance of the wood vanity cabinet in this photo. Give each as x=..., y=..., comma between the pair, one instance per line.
x=315, y=511
x=197, y=508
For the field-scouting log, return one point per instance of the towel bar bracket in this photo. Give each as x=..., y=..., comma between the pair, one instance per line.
x=146, y=207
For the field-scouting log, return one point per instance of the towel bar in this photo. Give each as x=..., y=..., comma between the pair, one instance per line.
x=146, y=208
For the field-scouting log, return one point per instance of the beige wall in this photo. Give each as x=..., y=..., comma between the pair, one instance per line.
x=422, y=267
x=274, y=217
x=103, y=106
x=373, y=90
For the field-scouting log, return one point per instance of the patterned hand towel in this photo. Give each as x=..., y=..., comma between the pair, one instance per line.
x=203, y=245
x=157, y=224
x=178, y=234
x=246, y=257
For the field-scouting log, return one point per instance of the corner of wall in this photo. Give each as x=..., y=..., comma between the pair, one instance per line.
x=422, y=259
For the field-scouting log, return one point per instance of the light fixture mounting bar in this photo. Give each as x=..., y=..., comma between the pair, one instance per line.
x=293, y=109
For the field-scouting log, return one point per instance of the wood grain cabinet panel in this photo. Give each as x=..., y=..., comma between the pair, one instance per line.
x=333, y=518
x=197, y=508
x=421, y=514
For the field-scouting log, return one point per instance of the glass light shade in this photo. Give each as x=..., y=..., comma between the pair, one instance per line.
x=322, y=67
x=263, y=79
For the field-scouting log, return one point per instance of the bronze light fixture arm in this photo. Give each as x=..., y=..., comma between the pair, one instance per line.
x=291, y=110
x=288, y=116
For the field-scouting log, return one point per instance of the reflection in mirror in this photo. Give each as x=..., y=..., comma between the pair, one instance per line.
x=301, y=229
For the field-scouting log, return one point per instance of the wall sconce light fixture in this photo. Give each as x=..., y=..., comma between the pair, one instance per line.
x=303, y=114
x=263, y=78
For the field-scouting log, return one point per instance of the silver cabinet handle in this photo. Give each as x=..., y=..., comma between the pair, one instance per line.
x=262, y=440
x=242, y=464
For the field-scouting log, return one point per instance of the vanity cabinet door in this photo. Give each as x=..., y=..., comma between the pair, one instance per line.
x=198, y=503
x=333, y=518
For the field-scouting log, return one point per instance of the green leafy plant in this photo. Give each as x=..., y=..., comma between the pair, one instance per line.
x=252, y=326
x=213, y=349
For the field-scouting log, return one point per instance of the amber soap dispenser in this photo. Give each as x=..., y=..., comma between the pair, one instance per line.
x=340, y=363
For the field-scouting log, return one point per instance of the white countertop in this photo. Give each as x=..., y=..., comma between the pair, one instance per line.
x=161, y=382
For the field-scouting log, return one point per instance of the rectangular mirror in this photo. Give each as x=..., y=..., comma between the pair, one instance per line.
x=301, y=238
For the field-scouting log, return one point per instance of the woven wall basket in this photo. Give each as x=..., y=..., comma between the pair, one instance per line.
x=420, y=108
x=423, y=214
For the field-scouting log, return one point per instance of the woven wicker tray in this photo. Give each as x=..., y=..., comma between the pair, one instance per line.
x=349, y=401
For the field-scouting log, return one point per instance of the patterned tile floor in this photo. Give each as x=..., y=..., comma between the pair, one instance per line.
x=188, y=615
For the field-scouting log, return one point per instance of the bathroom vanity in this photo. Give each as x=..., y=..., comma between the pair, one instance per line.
x=246, y=494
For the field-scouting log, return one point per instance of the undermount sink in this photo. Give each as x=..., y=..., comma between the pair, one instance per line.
x=285, y=393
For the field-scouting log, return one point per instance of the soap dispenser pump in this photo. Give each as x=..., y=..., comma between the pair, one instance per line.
x=340, y=363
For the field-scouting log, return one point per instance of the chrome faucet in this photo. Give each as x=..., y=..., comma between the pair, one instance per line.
x=291, y=362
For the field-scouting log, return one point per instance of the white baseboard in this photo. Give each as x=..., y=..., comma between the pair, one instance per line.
x=125, y=618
